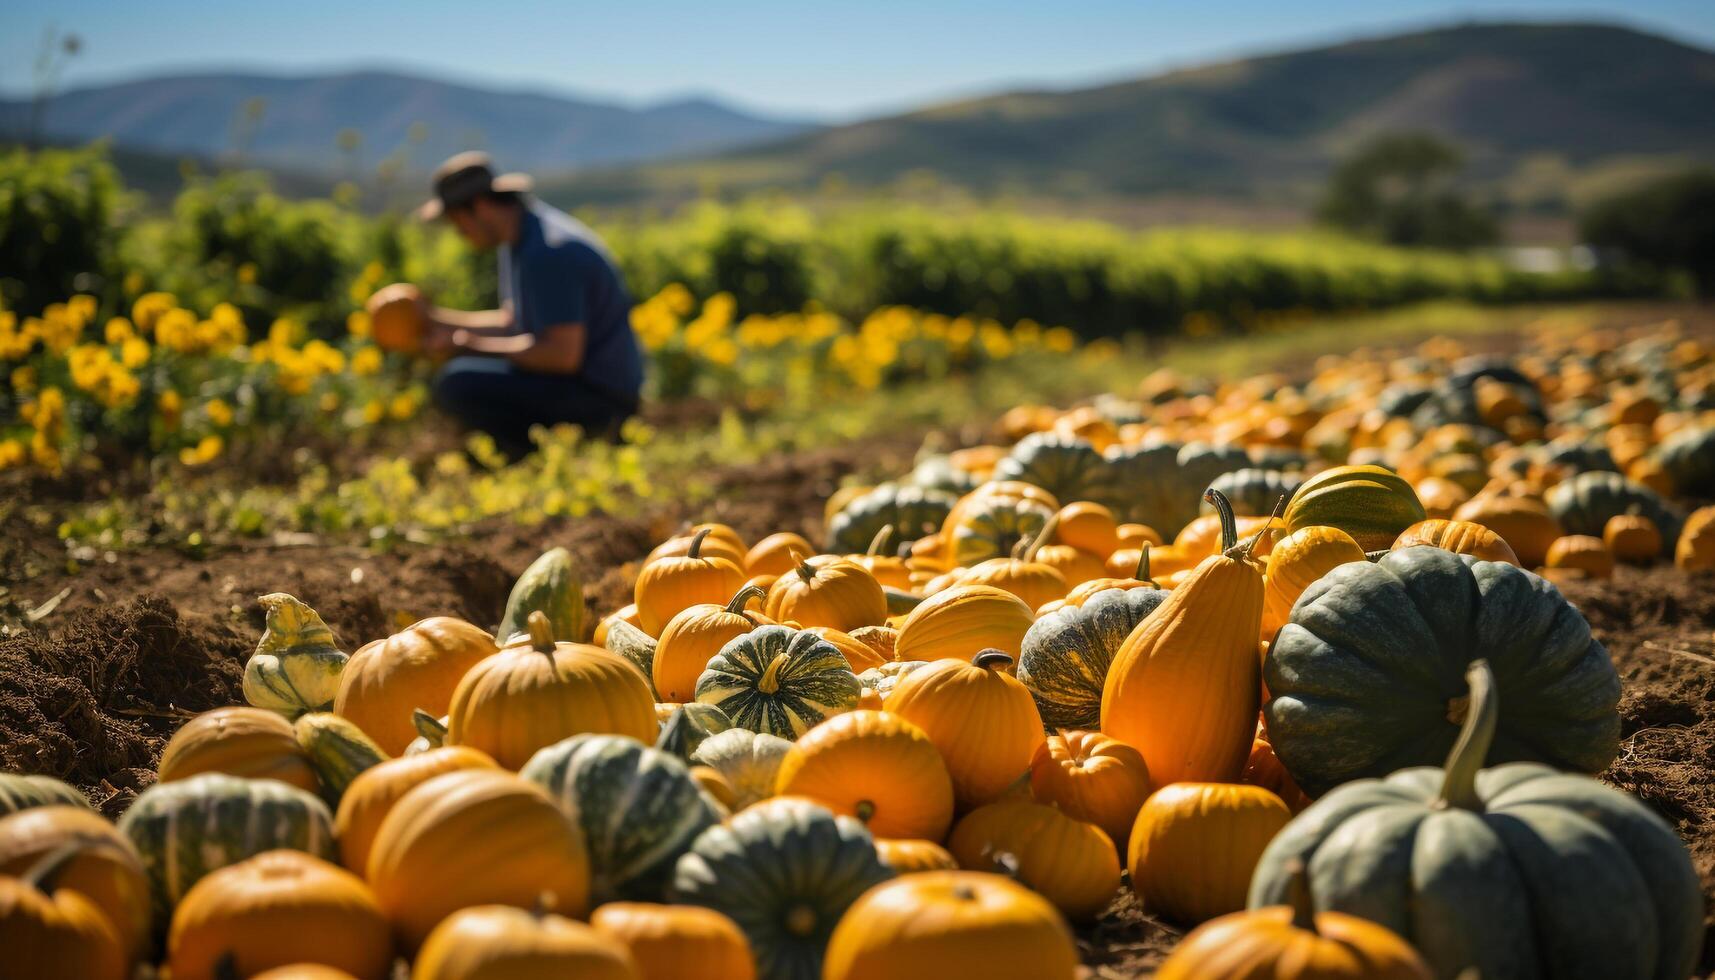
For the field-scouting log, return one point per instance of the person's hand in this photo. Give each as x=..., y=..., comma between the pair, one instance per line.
x=441, y=341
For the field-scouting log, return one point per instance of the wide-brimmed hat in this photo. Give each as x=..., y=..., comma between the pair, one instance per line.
x=463, y=178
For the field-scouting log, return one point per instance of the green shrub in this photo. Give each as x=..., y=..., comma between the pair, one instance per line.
x=56, y=225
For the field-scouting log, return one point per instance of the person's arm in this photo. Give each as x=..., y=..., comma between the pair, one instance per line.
x=492, y=322
x=559, y=349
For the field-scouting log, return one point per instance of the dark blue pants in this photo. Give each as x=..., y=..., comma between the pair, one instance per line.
x=496, y=396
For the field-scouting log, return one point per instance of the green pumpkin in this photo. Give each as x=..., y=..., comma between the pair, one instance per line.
x=20, y=791
x=189, y=827
x=1065, y=656
x=1584, y=503
x=1576, y=455
x=779, y=681
x=338, y=750
x=549, y=586
x=634, y=646
x=1254, y=492
x=689, y=726
x=1161, y=485
x=1067, y=467
x=638, y=809
x=1688, y=457
x=992, y=525
x=1283, y=458
x=1513, y=872
x=1371, y=503
x=784, y=872
x=296, y=665
x=937, y=472
x=1368, y=675
x=1454, y=398
x=912, y=511
x=886, y=677
x=749, y=762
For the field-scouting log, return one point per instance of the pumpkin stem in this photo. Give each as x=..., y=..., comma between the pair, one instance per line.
x=879, y=541
x=770, y=681
x=805, y=570
x=1229, y=523
x=428, y=726
x=1141, y=573
x=992, y=659
x=742, y=598
x=1298, y=895
x=226, y=967
x=696, y=548
x=1279, y=505
x=541, y=632
x=865, y=810
x=1459, y=784
x=1043, y=536
x=801, y=920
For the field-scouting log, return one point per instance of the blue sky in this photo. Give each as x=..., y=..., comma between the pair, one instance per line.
x=833, y=60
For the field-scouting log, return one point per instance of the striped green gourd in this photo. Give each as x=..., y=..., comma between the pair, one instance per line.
x=549, y=586
x=635, y=647
x=779, y=681
x=19, y=791
x=337, y=748
x=638, y=809
x=749, y=762
x=296, y=665
x=689, y=726
x=189, y=827
x=1065, y=656
x=1371, y=503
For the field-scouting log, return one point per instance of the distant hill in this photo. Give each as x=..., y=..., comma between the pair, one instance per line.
x=1522, y=99
x=198, y=115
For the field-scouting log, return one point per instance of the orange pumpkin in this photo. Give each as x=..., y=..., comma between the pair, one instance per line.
x=1140, y=577
x=668, y=942
x=1695, y=549
x=1092, y=777
x=1089, y=527
x=1069, y=862
x=106, y=870
x=1524, y=523
x=827, y=591
x=1633, y=538
x=624, y=614
x=371, y=796
x=882, y=640
x=1440, y=496
x=913, y=856
x=861, y=656
x=890, y=570
x=1459, y=537
x=303, y=971
x=1264, y=769
x=716, y=785
x=1581, y=553
x=1138, y=535
x=1195, y=845
x=961, y=621
x=693, y=636
x=275, y=909
x=415, y=668
x=950, y=924
x=1297, y=560
x=239, y=741
x=875, y=766
x=1184, y=688
x=671, y=583
x=1032, y=581
x=474, y=837
x=51, y=931
x=498, y=942
x=774, y=555
x=535, y=692
x=983, y=721
x=1075, y=565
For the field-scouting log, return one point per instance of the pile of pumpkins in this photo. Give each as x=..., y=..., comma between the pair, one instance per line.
x=1285, y=700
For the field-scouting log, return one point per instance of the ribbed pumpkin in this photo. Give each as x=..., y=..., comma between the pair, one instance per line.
x=371, y=796
x=670, y=942
x=1194, y=845
x=673, y=582
x=1071, y=863
x=550, y=585
x=1075, y=565
x=238, y=741
x=1183, y=688
x=1367, y=677
x=877, y=767
x=624, y=614
x=1584, y=503
x=48, y=930
x=889, y=570
x=1138, y=577
x=912, y=856
x=826, y=591
x=1094, y=778
x=983, y=721
x=1581, y=553
x=1524, y=523
x=991, y=520
x=943, y=924
x=1439, y=496
x=474, y=837
x=1632, y=538
x=785, y=871
x=1459, y=537
x=296, y=666
x=1297, y=560
x=1695, y=549
x=692, y=638
x=637, y=808
x=1066, y=655
x=778, y=680
x=273, y=910
x=1493, y=869
x=859, y=656
x=748, y=761
x=303, y=971
x=19, y=791
x=501, y=942
x=185, y=829
x=1293, y=942
x=103, y=867
x=911, y=511
x=777, y=554
x=1370, y=503
x=535, y=692
x=958, y=622
x=418, y=667
x=718, y=539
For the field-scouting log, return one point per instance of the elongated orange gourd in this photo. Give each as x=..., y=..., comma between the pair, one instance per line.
x=1185, y=685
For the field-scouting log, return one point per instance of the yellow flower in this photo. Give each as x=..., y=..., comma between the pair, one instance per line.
x=24, y=379
x=366, y=361
x=44, y=453
x=119, y=330
x=12, y=453
x=149, y=307
x=329, y=402
x=206, y=450
x=170, y=404
x=357, y=324
x=403, y=406
x=134, y=352
x=219, y=412
x=284, y=331
x=373, y=411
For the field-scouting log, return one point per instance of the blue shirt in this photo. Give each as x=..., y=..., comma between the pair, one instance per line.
x=560, y=272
